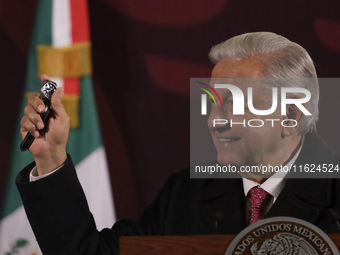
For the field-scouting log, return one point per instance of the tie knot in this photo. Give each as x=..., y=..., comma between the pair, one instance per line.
x=258, y=195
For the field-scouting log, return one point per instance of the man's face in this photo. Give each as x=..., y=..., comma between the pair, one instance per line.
x=239, y=145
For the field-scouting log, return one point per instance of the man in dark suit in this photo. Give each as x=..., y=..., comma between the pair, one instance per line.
x=58, y=211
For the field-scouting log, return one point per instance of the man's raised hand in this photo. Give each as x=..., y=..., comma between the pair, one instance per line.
x=49, y=147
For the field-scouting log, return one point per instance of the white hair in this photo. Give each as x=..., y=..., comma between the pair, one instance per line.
x=283, y=59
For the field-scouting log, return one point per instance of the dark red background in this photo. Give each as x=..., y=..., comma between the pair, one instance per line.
x=144, y=53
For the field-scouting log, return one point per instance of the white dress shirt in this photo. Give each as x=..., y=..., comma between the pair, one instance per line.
x=272, y=185
x=34, y=175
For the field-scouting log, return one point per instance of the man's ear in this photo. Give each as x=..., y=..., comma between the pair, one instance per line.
x=294, y=116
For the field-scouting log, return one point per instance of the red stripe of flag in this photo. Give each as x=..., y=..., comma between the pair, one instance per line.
x=80, y=21
x=71, y=86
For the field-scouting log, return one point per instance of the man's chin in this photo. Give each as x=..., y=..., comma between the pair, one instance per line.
x=254, y=176
x=225, y=161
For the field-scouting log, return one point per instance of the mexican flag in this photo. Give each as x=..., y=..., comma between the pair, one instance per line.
x=60, y=48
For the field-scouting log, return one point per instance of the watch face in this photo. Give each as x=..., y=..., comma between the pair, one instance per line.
x=48, y=88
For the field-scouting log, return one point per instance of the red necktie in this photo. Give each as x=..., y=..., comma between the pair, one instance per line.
x=259, y=199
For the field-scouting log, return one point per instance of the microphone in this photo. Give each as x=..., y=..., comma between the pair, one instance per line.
x=218, y=216
x=46, y=91
x=336, y=217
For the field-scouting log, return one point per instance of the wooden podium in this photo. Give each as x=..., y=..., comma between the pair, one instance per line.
x=210, y=244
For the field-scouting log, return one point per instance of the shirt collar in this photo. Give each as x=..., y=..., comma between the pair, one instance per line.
x=275, y=183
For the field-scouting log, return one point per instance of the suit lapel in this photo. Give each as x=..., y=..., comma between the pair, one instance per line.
x=303, y=198
x=288, y=204
x=227, y=197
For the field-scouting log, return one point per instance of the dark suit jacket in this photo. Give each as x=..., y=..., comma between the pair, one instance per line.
x=60, y=218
